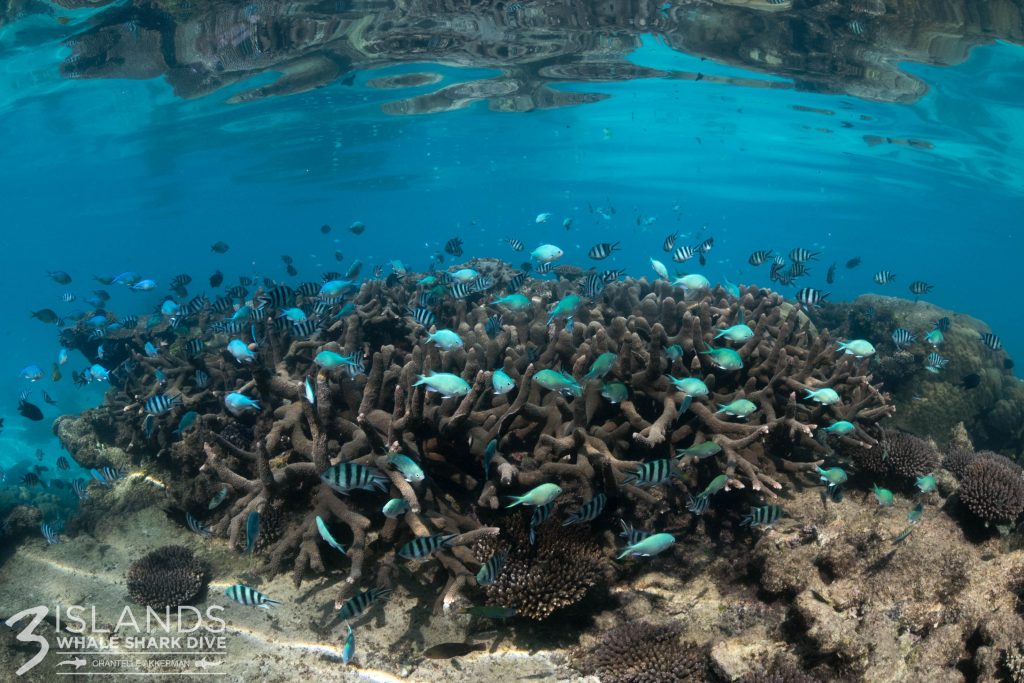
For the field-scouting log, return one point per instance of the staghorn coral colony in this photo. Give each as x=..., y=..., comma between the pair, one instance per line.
x=535, y=443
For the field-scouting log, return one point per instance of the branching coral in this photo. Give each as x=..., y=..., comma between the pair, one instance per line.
x=272, y=462
x=992, y=487
x=640, y=652
x=166, y=577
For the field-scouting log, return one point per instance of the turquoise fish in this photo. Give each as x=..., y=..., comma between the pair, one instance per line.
x=540, y=495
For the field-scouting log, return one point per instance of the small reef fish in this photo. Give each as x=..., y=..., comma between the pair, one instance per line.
x=32, y=373
x=250, y=597
x=884, y=497
x=702, y=450
x=919, y=287
x=51, y=532
x=659, y=269
x=589, y=511
x=501, y=382
x=564, y=308
x=252, y=531
x=186, y=421
x=926, y=484
x=935, y=337
x=490, y=569
x=218, y=497
x=810, y=296
x=691, y=386
x=489, y=451
x=539, y=516
x=515, y=302
x=325, y=534
x=348, y=650
x=615, y=392
x=444, y=383
x=330, y=360
x=651, y=473
x=540, y=495
x=825, y=396
x=740, y=332
x=765, y=516
x=396, y=507
x=840, y=428
x=833, y=476
x=698, y=504
x=741, y=407
x=240, y=404
x=991, y=341
x=602, y=250
x=546, y=253
x=902, y=337
x=651, y=545
x=858, y=348
x=449, y=650
x=602, y=365
x=196, y=525
x=914, y=516
x=934, y=363
x=558, y=381
x=358, y=604
x=724, y=358
x=883, y=277
x=240, y=351
x=446, y=340
x=411, y=472
x=346, y=476
x=694, y=282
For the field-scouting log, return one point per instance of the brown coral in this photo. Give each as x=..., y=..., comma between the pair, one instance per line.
x=957, y=459
x=992, y=488
x=781, y=670
x=166, y=577
x=557, y=571
x=641, y=652
x=908, y=455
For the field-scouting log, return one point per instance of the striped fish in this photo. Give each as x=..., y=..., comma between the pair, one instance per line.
x=80, y=488
x=355, y=368
x=63, y=464
x=51, y=532
x=353, y=270
x=346, y=476
x=799, y=255
x=589, y=511
x=545, y=268
x=490, y=570
x=810, y=296
x=422, y=316
x=935, y=362
x=331, y=275
x=308, y=289
x=196, y=525
x=493, y=326
x=106, y=475
x=902, y=337
x=482, y=283
x=765, y=516
x=632, y=534
x=705, y=246
x=759, y=257
x=358, y=604
x=609, y=276
x=943, y=324
x=258, y=314
x=201, y=379
x=698, y=505
x=683, y=254
x=602, y=250
x=919, y=287
x=306, y=328
x=539, y=516
x=423, y=546
x=991, y=341
x=453, y=246
x=129, y=321
x=883, y=277
x=651, y=473
x=798, y=270
x=158, y=404
x=514, y=243
x=222, y=305
x=516, y=282
x=592, y=286
x=669, y=242
x=67, y=297
x=460, y=290
x=194, y=347
x=237, y=292
x=250, y=597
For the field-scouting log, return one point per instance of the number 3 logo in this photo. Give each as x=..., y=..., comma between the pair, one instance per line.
x=28, y=635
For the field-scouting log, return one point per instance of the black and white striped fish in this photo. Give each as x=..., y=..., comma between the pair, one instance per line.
x=222, y=305
x=258, y=313
x=797, y=270
x=346, y=476
x=490, y=569
x=250, y=597
x=460, y=290
x=919, y=287
x=651, y=473
x=453, y=246
x=306, y=328
x=884, y=278
x=934, y=362
x=237, y=292
x=106, y=475
x=705, y=246
x=355, y=368
x=195, y=305
x=589, y=511
x=194, y=347
x=67, y=297
x=195, y=525
x=422, y=316
x=280, y=296
x=80, y=488
x=482, y=283
x=609, y=276
x=129, y=321
x=330, y=275
x=493, y=326
x=670, y=242
x=683, y=254
x=539, y=516
x=799, y=255
x=158, y=404
x=810, y=296
x=902, y=337
x=358, y=604
x=514, y=243
x=51, y=532
x=602, y=250
x=201, y=379
x=63, y=464
x=424, y=546
x=759, y=257
x=766, y=515
x=544, y=268
x=516, y=282
x=991, y=341
x=632, y=534
x=592, y=286
x=943, y=324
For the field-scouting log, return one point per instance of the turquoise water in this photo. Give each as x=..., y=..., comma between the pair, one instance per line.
x=103, y=174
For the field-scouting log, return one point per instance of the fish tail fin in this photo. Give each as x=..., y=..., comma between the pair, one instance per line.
x=516, y=500
x=625, y=552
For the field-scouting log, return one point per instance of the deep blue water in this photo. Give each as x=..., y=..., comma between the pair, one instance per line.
x=105, y=175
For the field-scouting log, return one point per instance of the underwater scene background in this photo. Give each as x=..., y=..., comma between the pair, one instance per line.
x=277, y=142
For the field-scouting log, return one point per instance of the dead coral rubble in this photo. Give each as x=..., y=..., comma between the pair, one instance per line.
x=586, y=444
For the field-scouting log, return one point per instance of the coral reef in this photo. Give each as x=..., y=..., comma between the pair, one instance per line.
x=166, y=577
x=272, y=461
x=992, y=487
x=641, y=652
